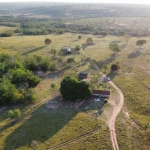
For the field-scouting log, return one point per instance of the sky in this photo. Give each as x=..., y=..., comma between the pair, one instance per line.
x=85, y=1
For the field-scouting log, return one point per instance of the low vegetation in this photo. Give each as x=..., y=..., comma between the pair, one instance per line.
x=22, y=57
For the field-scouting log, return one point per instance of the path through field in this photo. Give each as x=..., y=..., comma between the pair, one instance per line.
x=116, y=110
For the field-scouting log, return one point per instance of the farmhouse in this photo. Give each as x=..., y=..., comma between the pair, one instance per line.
x=101, y=93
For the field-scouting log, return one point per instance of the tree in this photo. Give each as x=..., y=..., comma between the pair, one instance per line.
x=53, y=85
x=45, y=65
x=23, y=77
x=115, y=48
x=140, y=43
x=30, y=63
x=127, y=38
x=89, y=41
x=54, y=52
x=115, y=67
x=79, y=37
x=8, y=92
x=47, y=41
x=121, y=34
x=72, y=89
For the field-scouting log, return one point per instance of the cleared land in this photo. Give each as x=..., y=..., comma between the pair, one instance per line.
x=133, y=80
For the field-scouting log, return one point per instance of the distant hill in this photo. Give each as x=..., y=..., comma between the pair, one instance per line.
x=68, y=10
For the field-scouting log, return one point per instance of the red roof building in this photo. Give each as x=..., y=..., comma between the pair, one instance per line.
x=101, y=93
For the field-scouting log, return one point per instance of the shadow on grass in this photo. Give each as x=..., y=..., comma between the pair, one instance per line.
x=106, y=61
x=116, y=42
x=134, y=54
x=43, y=124
x=33, y=50
x=58, y=73
x=112, y=75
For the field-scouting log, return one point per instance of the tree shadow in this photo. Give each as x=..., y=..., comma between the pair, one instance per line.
x=134, y=54
x=33, y=50
x=58, y=73
x=112, y=75
x=123, y=46
x=43, y=124
x=116, y=42
x=106, y=61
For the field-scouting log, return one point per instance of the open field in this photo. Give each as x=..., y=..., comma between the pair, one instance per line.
x=44, y=128
x=67, y=123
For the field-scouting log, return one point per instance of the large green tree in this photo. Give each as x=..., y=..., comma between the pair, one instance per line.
x=72, y=89
x=115, y=48
x=8, y=92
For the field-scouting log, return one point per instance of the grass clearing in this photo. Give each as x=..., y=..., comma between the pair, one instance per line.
x=44, y=128
x=66, y=123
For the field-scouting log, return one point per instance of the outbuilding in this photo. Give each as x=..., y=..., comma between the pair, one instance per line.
x=68, y=50
x=101, y=93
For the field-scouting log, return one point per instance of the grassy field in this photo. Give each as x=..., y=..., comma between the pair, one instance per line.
x=127, y=133
x=66, y=123
x=43, y=128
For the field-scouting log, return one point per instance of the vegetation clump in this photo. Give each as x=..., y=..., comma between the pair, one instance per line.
x=16, y=80
x=72, y=89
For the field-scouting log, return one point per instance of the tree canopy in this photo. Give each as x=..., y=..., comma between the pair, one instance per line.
x=89, y=41
x=115, y=48
x=16, y=80
x=47, y=41
x=72, y=89
x=115, y=67
x=140, y=43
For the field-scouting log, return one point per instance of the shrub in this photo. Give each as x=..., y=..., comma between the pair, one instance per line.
x=45, y=65
x=31, y=96
x=53, y=67
x=105, y=101
x=31, y=63
x=79, y=37
x=13, y=114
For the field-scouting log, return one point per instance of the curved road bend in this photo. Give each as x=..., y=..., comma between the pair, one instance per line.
x=111, y=122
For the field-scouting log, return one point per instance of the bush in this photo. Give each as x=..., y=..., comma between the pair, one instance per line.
x=45, y=65
x=53, y=67
x=31, y=96
x=79, y=37
x=105, y=101
x=17, y=31
x=13, y=114
x=22, y=77
x=31, y=63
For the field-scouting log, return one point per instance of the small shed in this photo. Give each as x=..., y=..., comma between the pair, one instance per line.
x=68, y=50
x=83, y=75
x=101, y=93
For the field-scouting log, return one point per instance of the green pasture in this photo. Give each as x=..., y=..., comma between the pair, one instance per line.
x=42, y=128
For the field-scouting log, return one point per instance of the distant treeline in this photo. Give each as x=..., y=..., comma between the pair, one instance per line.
x=38, y=26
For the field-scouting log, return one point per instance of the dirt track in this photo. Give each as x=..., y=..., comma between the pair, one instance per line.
x=111, y=122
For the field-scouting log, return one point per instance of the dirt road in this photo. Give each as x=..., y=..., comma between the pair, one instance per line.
x=111, y=122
